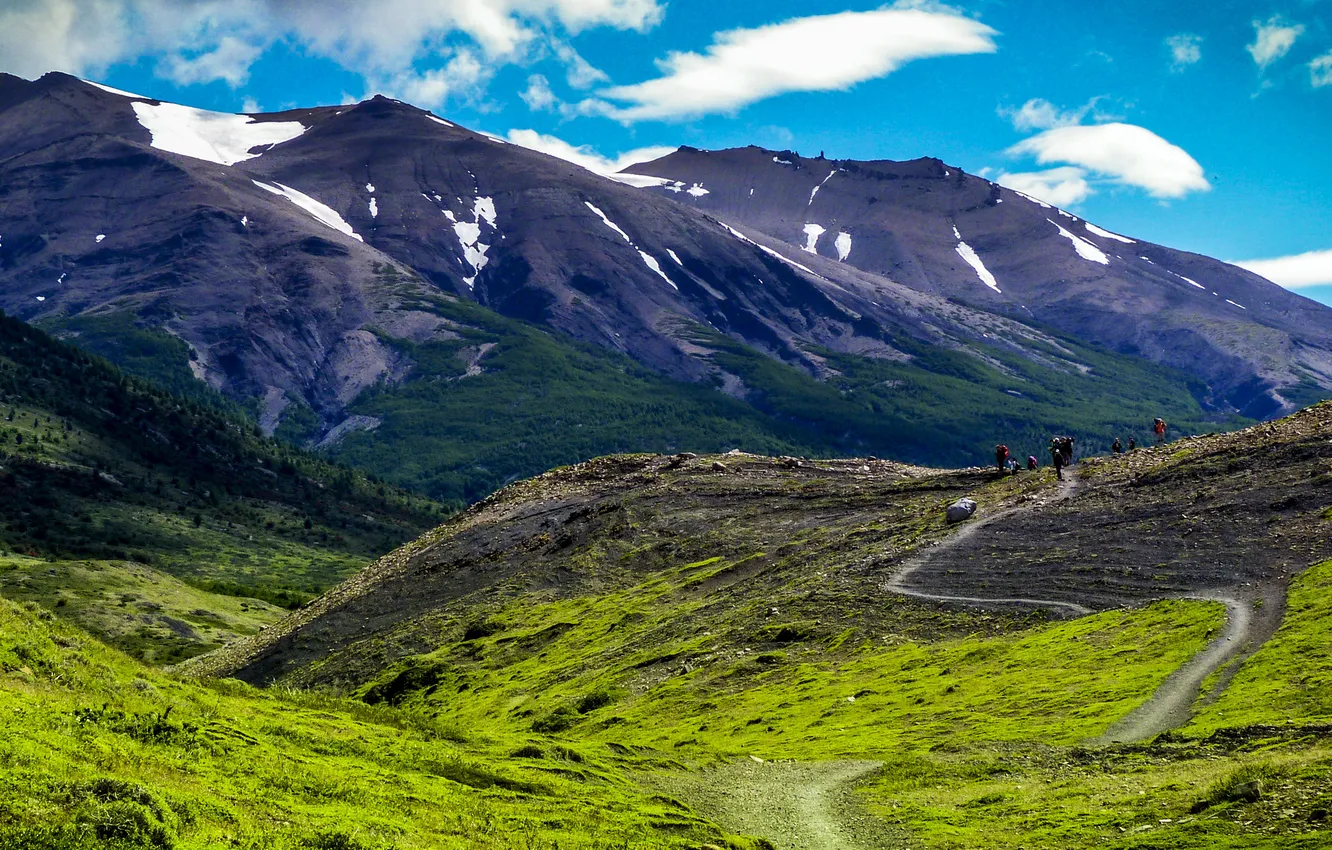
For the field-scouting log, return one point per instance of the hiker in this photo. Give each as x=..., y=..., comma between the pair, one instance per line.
x=1012, y=466
x=1159, y=427
x=1133, y=444
x=1000, y=457
x=1117, y=447
x=1032, y=465
x=1065, y=446
x=1057, y=457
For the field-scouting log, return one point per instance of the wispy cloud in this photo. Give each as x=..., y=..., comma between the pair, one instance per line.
x=1040, y=114
x=1122, y=153
x=1320, y=71
x=1064, y=186
x=537, y=95
x=1273, y=39
x=1185, y=50
x=1297, y=271
x=819, y=53
x=583, y=154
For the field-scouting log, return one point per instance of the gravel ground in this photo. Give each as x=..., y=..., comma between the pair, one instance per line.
x=794, y=805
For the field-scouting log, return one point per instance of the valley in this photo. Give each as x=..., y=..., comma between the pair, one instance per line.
x=368, y=482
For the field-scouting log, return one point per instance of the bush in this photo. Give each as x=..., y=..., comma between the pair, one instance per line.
x=558, y=720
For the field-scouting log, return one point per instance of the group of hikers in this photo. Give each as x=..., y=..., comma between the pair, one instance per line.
x=1061, y=452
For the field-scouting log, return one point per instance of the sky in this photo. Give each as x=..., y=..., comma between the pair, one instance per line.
x=1205, y=126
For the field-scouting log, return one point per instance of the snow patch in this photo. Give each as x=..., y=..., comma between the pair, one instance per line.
x=1241, y=306
x=245, y=221
x=1067, y=215
x=969, y=255
x=1144, y=258
x=781, y=161
x=41, y=297
x=484, y=208
x=100, y=237
x=652, y=263
x=816, y=189
x=1091, y=228
x=374, y=208
x=1085, y=249
x=1189, y=280
x=323, y=214
x=697, y=190
x=644, y=181
x=370, y=187
x=676, y=257
x=612, y=225
x=211, y=136
x=765, y=249
x=115, y=91
x=843, y=245
x=812, y=234
x=1030, y=198
x=449, y=215
x=439, y=121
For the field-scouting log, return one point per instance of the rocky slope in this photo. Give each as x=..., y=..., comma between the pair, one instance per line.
x=937, y=229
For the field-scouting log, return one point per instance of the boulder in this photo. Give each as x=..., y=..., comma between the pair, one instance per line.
x=718, y=466
x=961, y=510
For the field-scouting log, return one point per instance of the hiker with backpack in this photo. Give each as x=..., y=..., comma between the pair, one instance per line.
x=1001, y=457
x=1032, y=465
x=1117, y=447
x=1057, y=457
x=1159, y=428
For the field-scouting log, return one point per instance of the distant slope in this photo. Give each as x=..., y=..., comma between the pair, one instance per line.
x=99, y=467
x=1262, y=349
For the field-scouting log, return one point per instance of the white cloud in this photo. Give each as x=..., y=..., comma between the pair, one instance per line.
x=538, y=95
x=229, y=61
x=1298, y=271
x=1039, y=114
x=1273, y=39
x=1124, y=153
x=1063, y=187
x=412, y=45
x=250, y=106
x=1320, y=71
x=1185, y=50
x=821, y=53
x=583, y=154
x=464, y=72
x=579, y=73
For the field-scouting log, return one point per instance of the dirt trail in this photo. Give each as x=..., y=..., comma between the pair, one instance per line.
x=1170, y=706
x=898, y=585
x=796, y=806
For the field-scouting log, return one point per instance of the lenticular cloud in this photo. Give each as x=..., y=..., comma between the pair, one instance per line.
x=820, y=53
x=1126, y=153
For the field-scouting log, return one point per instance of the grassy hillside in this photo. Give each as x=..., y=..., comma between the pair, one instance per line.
x=100, y=470
x=717, y=615
x=97, y=751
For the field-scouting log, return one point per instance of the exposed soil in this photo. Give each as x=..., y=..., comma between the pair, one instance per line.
x=796, y=806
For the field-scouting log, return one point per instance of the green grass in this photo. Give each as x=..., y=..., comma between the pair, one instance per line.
x=98, y=751
x=1289, y=680
x=148, y=614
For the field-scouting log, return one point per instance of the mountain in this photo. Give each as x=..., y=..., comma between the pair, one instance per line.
x=930, y=226
x=454, y=312
x=130, y=508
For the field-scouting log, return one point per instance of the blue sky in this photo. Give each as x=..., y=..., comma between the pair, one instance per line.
x=1204, y=126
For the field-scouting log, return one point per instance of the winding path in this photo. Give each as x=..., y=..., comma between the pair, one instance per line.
x=897, y=584
x=1170, y=706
